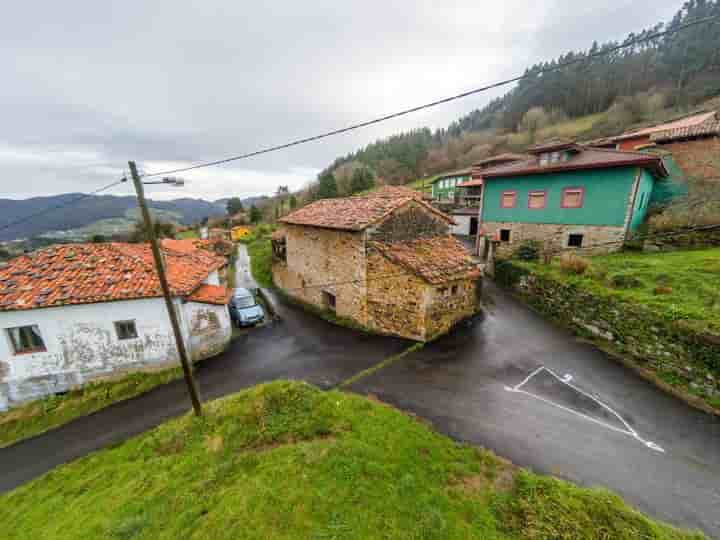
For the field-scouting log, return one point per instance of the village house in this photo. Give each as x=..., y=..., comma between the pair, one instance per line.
x=386, y=260
x=568, y=196
x=696, y=149
x=77, y=312
x=444, y=186
x=469, y=194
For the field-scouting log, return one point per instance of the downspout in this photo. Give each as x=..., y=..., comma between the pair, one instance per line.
x=631, y=213
x=480, y=221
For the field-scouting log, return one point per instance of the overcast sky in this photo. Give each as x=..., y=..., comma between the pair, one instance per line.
x=88, y=85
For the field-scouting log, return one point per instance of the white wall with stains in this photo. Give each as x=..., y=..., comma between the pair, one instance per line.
x=82, y=343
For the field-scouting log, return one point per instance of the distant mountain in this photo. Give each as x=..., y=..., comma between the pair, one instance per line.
x=90, y=210
x=247, y=201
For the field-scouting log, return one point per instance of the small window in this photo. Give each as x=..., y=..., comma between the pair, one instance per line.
x=504, y=235
x=572, y=198
x=126, y=329
x=508, y=199
x=329, y=300
x=537, y=200
x=544, y=159
x=575, y=240
x=26, y=339
x=454, y=290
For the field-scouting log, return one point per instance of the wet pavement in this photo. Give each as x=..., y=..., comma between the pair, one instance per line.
x=584, y=417
x=243, y=276
x=299, y=346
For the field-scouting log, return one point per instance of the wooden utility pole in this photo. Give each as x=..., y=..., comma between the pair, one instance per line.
x=160, y=267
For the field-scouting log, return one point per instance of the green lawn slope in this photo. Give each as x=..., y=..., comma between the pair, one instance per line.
x=287, y=461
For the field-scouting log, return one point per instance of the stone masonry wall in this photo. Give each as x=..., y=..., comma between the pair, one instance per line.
x=695, y=158
x=408, y=223
x=395, y=305
x=451, y=303
x=674, y=354
x=318, y=256
x=555, y=236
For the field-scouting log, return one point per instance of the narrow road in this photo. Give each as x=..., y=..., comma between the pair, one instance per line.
x=526, y=389
x=243, y=276
x=503, y=382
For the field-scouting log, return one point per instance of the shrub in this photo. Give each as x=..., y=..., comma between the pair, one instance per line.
x=624, y=280
x=571, y=263
x=528, y=250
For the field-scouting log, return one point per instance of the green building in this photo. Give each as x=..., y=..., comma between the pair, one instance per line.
x=444, y=187
x=567, y=195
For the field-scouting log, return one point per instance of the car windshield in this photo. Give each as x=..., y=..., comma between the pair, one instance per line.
x=244, y=301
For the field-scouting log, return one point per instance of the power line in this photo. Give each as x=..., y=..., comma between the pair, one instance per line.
x=442, y=101
x=61, y=205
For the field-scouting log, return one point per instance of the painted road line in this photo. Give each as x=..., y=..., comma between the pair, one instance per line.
x=565, y=379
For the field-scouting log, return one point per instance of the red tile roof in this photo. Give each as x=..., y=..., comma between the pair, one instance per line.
x=87, y=273
x=499, y=158
x=688, y=121
x=185, y=245
x=583, y=158
x=357, y=213
x=707, y=129
x=211, y=294
x=436, y=260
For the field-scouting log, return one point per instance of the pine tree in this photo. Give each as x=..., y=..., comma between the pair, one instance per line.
x=327, y=186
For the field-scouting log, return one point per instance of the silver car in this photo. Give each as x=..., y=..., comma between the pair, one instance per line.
x=244, y=309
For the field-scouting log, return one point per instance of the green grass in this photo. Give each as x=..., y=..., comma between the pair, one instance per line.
x=689, y=280
x=39, y=416
x=286, y=461
x=260, y=251
x=190, y=233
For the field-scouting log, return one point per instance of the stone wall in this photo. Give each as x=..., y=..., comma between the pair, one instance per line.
x=316, y=257
x=555, y=236
x=670, y=352
x=451, y=303
x=395, y=305
x=408, y=223
x=208, y=329
x=695, y=157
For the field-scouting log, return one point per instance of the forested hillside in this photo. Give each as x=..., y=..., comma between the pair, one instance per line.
x=644, y=83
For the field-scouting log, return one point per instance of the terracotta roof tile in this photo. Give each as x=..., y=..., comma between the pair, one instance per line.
x=211, y=294
x=688, y=121
x=436, y=260
x=708, y=129
x=88, y=273
x=357, y=213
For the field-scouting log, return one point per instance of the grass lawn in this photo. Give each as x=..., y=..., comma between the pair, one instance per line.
x=260, y=251
x=39, y=416
x=191, y=233
x=287, y=461
x=679, y=285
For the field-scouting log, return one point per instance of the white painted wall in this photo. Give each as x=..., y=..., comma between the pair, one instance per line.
x=463, y=225
x=82, y=343
x=213, y=278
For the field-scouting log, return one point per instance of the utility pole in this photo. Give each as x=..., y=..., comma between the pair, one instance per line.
x=160, y=267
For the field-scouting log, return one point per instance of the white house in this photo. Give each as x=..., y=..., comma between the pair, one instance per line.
x=73, y=313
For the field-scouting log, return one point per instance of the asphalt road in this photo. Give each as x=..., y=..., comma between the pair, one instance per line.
x=243, y=277
x=298, y=346
x=500, y=382
x=484, y=384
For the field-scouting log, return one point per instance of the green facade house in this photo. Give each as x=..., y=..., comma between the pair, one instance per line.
x=568, y=196
x=444, y=187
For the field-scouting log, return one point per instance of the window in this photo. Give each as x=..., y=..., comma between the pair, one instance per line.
x=329, y=300
x=537, y=199
x=126, y=329
x=544, y=159
x=575, y=240
x=508, y=198
x=504, y=235
x=26, y=339
x=454, y=290
x=572, y=197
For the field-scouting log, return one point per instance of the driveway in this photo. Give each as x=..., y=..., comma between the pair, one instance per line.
x=298, y=346
x=516, y=384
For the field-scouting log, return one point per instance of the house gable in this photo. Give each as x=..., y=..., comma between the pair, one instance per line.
x=411, y=221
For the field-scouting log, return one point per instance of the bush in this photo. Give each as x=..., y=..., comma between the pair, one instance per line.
x=624, y=280
x=571, y=263
x=528, y=250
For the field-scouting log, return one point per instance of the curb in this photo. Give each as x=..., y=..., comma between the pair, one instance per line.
x=269, y=302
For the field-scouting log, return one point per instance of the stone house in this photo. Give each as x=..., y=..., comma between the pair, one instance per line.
x=386, y=260
x=696, y=149
x=568, y=196
x=77, y=312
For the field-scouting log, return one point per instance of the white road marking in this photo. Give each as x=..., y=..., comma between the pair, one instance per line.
x=566, y=380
